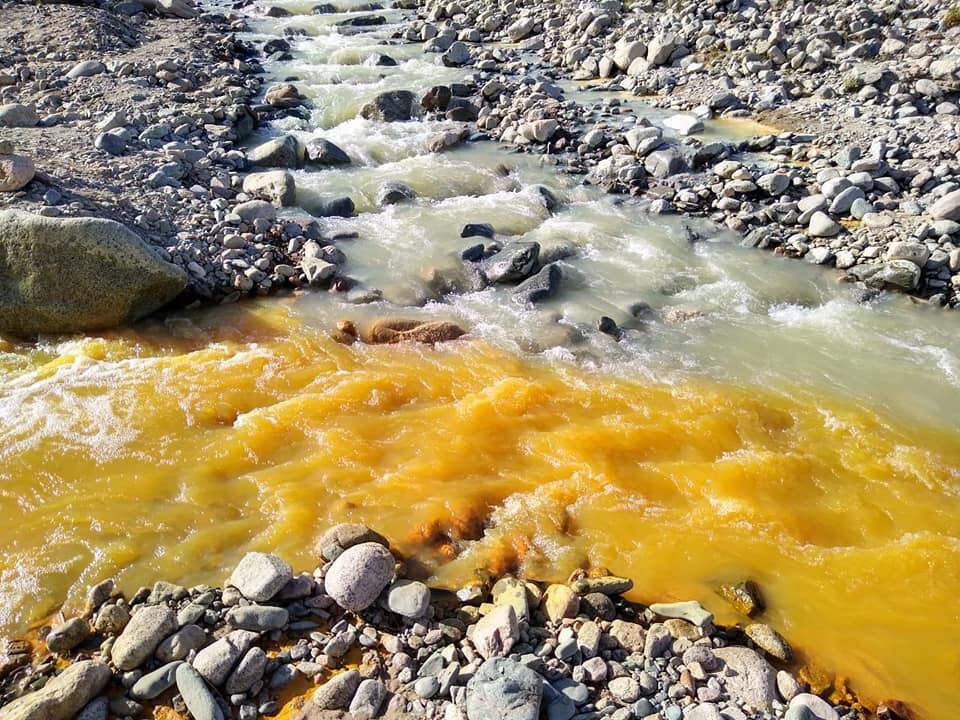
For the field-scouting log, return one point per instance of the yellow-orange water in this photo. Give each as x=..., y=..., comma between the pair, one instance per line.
x=168, y=451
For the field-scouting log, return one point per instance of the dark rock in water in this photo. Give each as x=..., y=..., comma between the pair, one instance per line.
x=277, y=12
x=744, y=596
x=547, y=197
x=503, y=688
x=393, y=106
x=461, y=90
x=323, y=9
x=436, y=98
x=515, y=262
x=477, y=230
x=462, y=110
x=381, y=60
x=275, y=45
x=285, y=151
x=608, y=326
x=368, y=7
x=77, y=274
x=323, y=152
x=553, y=253
x=339, y=207
x=363, y=21
x=539, y=287
x=391, y=193
x=642, y=311
x=474, y=253
x=598, y=606
x=397, y=330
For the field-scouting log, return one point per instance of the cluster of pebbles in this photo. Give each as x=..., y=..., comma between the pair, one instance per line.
x=377, y=644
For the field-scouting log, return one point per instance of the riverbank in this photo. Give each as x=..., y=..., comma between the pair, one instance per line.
x=377, y=642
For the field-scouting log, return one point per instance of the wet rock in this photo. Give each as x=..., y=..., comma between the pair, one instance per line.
x=68, y=635
x=437, y=98
x=359, y=575
x=770, y=641
x=260, y=576
x=196, y=696
x=691, y=611
x=745, y=597
x=337, y=692
x=392, y=192
x=259, y=618
x=409, y=598
x=320, y=151
x=276, y=186
x=478, y=230
x=539, y=287
x=63, y=696
x=148, y=627
x=393, y=106
x=503, y=688
x=16, y=172
x=181, y=643
x=15, y=115
x=515, y=262
x=285, y=151
x=497, y=632
x=337, y=207
x=346, y=535
x=249, y=670
x=684, y=124
x=283, y=95
x=66, y=275
x=216, y=660
x=111, y=620
x=606, y=584
x=748, y=677
x=156, y=683
x=396, y=330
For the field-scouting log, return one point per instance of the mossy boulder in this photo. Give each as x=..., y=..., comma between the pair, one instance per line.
x=67, y=275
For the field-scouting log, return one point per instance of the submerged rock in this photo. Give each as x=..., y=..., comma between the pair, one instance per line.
x=66, y=275
x=396, y=330
x=744, y=596
x=515, y=262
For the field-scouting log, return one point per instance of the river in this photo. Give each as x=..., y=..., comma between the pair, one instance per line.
x=759, y=422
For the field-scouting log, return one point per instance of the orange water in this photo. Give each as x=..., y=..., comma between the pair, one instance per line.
x=168, y=451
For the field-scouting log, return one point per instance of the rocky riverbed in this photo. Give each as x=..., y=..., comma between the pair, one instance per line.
x=378, y=643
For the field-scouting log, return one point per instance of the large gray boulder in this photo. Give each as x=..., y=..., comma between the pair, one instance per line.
x=64, y=696
x=66, y=275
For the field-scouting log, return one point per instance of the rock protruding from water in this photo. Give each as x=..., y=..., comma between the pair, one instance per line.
x=260, y=576
x=359, y=575
x=68, y=275
x=503, y=688
x=393, y=106
x=64, y=696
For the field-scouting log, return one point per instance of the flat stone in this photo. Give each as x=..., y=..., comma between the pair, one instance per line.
x=690, y=610
x=260, y=576
x=359, y=575
x=87, y=68
x=503, y=688
x=684, y=124
x=148, y=627
x=259, y=618
x=607, y=584
x=321, y=151
x=196, y=695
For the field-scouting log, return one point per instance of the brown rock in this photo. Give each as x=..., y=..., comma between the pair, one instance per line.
x=16, y=171
x=770, y=641
x=559, y=602
x=745, y=597
x=283, y=95
x=397, y=330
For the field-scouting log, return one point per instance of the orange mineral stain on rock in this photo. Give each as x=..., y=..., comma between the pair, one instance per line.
x=169, y=450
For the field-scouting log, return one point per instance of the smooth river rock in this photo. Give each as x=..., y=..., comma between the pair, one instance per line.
x=503, y=689
x=68, y=635
x=260, y=618
x=196, y=695
x=155, y=683
x=260, y=576
x=16, y=172
x=409, y=598
x=497, y=632
x=148, y=627
x=67, y=275
x=216, y=660
x=749, y=678
x=64, y=696
x=359, y=575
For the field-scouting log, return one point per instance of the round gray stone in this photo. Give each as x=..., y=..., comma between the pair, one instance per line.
x=359, y=575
